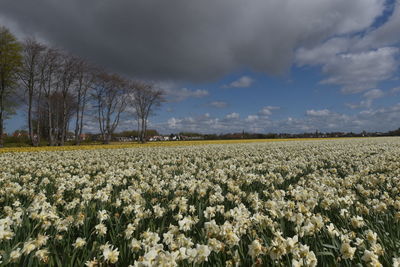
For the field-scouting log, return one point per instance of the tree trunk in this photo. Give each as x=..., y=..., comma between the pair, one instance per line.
x=1, y=128
x=66, y=131
x=107, y=135
x=30, y=128
x=138, y=129
x=56, y=126
x=142, y=137
x=51, y=139
x=63, y=123
x=81, y=118
x=37, y=141
x=145, y=129
x=38, y=132
x=108, y=138
x=77, y=122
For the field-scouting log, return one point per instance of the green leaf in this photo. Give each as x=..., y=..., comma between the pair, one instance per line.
x=330, y=246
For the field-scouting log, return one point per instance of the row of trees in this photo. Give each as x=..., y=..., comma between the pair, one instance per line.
x=59, y=88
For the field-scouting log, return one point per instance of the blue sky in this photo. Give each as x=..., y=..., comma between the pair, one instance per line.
x=269, y=66
x=270, y=103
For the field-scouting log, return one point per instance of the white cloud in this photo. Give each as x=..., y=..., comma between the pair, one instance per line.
x=242, y=82
x=218, y=104
x=387, y=34
x=202, y=123
x=267, y=111
x=322, y=53
x=318, y=113
x=232, y=115
x=354, y=71
x=367, y=103
x=382, y=119
x=369, y=98
x=357, y=72
x=90, y=128
x=374, y=94
x=357, y=62
x=174, y=123
x=174, y=91
x=395, y=90
x=178, y=95
x=251, y=118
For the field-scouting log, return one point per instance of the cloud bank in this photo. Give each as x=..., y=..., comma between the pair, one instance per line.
x=198, y=40
x=322, y=120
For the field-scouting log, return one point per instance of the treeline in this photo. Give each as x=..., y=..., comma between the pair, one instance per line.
x=60, y=89
x=245, y=135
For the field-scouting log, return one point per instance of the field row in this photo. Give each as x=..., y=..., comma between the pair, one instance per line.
x=121, y=145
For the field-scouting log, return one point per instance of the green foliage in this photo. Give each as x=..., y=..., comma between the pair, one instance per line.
x=10, y=60
x=16, y=141
x=10, y=64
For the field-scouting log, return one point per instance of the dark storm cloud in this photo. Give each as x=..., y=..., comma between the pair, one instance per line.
x=188, y=40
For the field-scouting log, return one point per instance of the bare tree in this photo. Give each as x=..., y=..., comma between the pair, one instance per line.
x=30, y=79
x=49, y=64
x=84, y=82
x=66, y=77
x=110, y=97
x=58, y=111
x=144, y=98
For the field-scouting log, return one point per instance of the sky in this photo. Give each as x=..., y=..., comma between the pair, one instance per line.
x=232, y=65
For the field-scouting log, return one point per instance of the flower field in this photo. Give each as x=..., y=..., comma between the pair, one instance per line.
x=299, y=203
x=119, y=145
